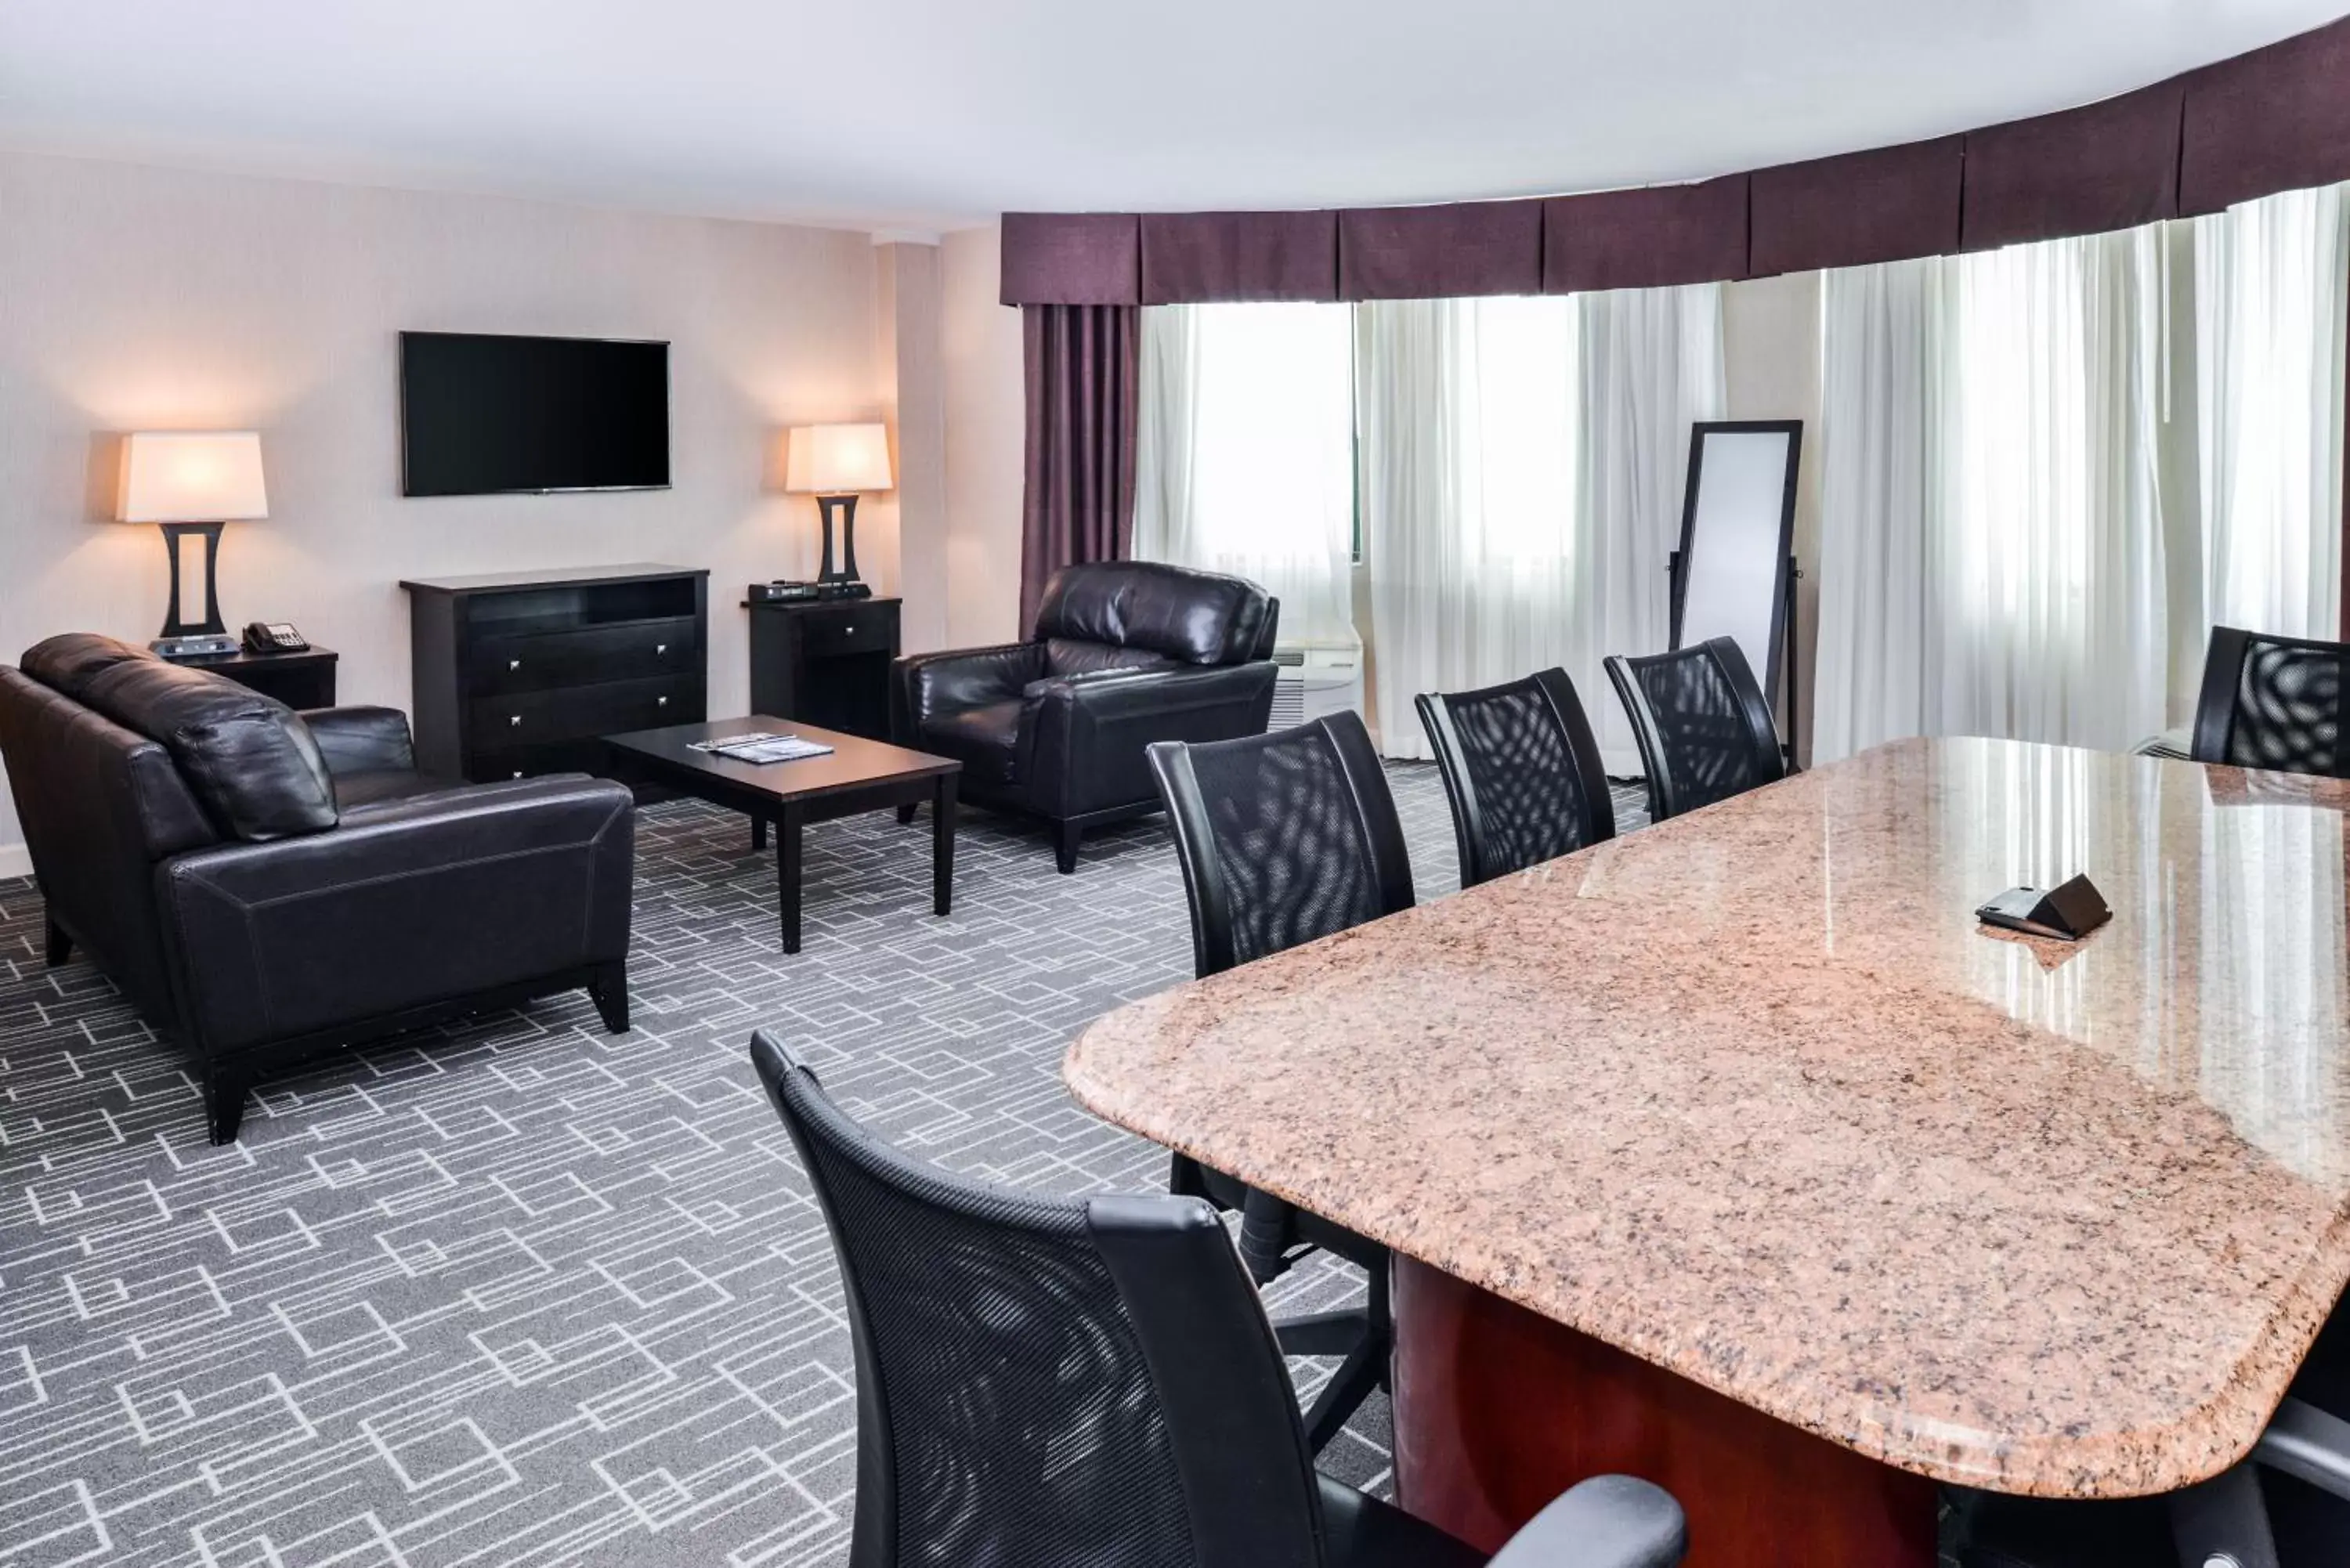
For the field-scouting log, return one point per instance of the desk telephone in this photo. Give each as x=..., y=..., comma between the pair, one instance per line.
x=275, y=637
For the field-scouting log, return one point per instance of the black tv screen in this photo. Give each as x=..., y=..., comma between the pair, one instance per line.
x=483, y=415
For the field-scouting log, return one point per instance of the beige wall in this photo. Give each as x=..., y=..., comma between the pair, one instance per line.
x=986, y=415
x=141, y=298
x=908, y=278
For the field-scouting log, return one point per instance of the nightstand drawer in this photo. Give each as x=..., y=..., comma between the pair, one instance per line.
x=535, y=718
x=543, y=661
x=859, y=629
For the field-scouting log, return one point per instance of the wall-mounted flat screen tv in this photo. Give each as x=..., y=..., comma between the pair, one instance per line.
x=486, y=415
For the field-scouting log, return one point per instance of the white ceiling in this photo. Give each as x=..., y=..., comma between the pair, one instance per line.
x=932, y=113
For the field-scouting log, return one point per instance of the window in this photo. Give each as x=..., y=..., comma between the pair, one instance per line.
x=1246, y=459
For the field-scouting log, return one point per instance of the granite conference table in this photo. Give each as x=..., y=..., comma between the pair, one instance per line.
x=1735, y=1154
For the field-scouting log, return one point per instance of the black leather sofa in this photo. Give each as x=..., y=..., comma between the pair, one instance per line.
x=264, y=885
x=1122, y=654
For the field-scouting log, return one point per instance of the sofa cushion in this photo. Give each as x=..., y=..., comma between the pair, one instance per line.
x=985, y=740
x=249, y=758
x=1197, y=617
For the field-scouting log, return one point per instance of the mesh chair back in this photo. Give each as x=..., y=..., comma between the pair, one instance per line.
x=1704, y=731
x=1284, y=837
x=2272, y=702
x=1012, y=1404
x=1521, y=773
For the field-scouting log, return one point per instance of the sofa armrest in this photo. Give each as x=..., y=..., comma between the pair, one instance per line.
x=426, y=901
x=362, y=739
x=931, y=685
x=1083, y=738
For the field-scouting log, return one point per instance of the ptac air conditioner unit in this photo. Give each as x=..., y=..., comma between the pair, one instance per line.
x=1317, y=676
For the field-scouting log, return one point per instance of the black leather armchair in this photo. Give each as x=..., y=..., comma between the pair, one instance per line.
x=264, y=885
x=1122, y=655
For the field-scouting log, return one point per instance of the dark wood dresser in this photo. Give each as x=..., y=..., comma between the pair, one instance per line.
x=824, y=663
x=519, y=673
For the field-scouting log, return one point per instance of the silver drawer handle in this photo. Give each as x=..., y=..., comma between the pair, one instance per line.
x=513, y=664
x=848, y=632
x=515, y=722
x=661, y=648
x=660, y=702
x=517, y=773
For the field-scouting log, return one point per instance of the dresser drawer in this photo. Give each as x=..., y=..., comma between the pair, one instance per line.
x=535, y=718
x=592, y=656
x=847, y=629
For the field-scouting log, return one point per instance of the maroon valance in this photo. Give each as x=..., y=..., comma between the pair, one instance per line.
x=1440, y=252
x=2112, y=165
x=1192, y=258
x=1890, y=205
x=1648, y=238
x=1072, y=258
x=2275, y=120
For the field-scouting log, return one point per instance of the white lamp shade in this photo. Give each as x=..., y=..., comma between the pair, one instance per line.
x=209, y=476
x=836, y=460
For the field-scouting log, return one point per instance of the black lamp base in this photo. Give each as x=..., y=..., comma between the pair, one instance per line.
x=843, y=584
x=182, y=637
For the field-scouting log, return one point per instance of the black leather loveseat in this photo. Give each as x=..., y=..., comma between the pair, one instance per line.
x=1122, y=654
x=264, y=885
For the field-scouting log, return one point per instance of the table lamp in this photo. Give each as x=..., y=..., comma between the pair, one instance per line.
x=835, y=463
x=192, y=482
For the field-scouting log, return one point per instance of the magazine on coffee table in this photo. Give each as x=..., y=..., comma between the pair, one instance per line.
x=762, y=747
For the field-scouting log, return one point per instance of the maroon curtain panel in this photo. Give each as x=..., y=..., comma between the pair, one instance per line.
x=2112, y=165
x=1072, y=258
x=1894, y=204
x=1083, y=363
x=2275, y=120
x=1440, y=252
x=1200, y=258
x=1648, y=238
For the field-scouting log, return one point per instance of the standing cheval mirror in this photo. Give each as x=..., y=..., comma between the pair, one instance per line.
x=1734, y=574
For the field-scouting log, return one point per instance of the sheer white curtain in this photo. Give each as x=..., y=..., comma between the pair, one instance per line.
x=2269, y=310
x=1991, y=556
x=1244, y=452
x=1651, y=367
x=1520, y=474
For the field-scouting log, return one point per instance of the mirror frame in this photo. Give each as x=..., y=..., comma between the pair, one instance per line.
x=1782, y=561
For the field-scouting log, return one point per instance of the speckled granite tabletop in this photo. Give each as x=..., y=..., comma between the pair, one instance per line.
x=1749, y=1094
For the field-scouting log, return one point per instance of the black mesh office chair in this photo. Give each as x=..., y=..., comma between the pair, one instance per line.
x=1283, y=839
x=2272, y=702
x=1704, y=731
x=1090, y=1383
x=1521, y=773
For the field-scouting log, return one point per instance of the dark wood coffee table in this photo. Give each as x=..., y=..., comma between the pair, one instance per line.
x=859, y=775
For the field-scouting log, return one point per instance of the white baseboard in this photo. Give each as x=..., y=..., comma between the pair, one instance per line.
x=15, y=860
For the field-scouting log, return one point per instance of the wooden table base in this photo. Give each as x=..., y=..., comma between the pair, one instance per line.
x=1497, y=1410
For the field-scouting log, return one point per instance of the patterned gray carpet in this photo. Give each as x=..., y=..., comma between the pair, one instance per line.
x=523, y=1292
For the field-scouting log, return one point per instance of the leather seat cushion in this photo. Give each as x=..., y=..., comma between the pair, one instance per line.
x=1361, y=1532
x=249, y=758
x=1192, y=617
x=985, y=740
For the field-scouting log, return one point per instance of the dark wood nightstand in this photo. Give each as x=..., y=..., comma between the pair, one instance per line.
x=297, y=679
x=824, y=663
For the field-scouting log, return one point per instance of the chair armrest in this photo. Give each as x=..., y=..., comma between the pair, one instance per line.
x=931, y=685
x=423, y=900
x=362, y=739
x=1083, y=738
x=1608, y=1521
x=2306, y=1443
